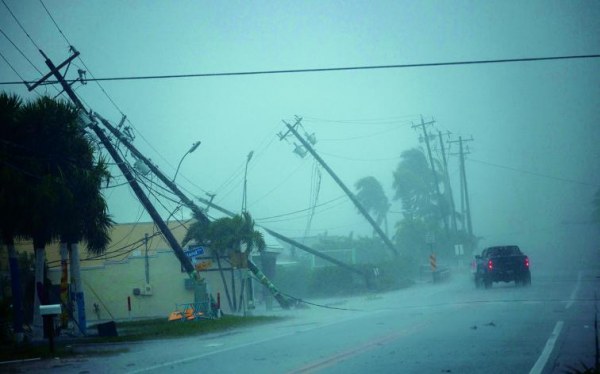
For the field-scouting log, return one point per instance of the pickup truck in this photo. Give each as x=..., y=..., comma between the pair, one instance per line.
x=501, y=264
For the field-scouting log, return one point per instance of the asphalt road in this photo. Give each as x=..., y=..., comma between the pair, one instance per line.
x=429, y=328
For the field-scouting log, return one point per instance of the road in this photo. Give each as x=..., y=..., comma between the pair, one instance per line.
x=428, y=328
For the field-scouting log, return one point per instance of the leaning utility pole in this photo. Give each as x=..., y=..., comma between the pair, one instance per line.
x=447, y=183
x=199, y=213
x=358, y=205
x=185, y=261
x=435, y=178
x=464, y=187
x=287, y=240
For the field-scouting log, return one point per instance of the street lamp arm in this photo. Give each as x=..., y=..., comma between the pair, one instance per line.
x=192, y=149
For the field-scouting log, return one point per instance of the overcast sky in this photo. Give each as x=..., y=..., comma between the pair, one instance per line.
x=533, y=166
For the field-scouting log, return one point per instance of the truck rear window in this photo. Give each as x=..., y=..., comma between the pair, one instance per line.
x=509, y=250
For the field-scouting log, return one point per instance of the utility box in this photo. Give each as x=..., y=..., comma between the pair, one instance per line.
x=51, y=309
x=147, y=290
x=107, y=329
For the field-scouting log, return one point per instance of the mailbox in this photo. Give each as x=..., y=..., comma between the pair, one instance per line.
x=51, y=309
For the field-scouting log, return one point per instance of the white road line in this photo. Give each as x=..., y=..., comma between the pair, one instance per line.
x=543, y=359
x=574, y=293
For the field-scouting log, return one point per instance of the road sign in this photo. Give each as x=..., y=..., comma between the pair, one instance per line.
x=194, y=252
x=433, y=262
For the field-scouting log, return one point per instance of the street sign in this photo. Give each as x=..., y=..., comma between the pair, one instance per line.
x=202, y=265
x=194, y=252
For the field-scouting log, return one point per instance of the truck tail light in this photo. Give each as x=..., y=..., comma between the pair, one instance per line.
x=490, y=265
x=527, y=262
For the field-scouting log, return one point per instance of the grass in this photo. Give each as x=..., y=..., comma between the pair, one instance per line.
x=130, y=332
x=162, y=329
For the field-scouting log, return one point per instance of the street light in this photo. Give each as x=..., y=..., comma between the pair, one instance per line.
x=244, y=198
x=192, y=149
x=249, y=300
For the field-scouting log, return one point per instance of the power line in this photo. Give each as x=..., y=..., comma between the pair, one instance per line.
x=364, y=121
x=13, y=69
x=112, y=101
x=55, y=24
x=299, y=211
x=81, y=59
x=21, y=26
x=330, y=69
x=300, y=165
x=22, y=54
x=320, y=211
x=361, y=159
x=394, y=128
x=534, y=173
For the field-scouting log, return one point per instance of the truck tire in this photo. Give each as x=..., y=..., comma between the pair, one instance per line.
x=487, y=283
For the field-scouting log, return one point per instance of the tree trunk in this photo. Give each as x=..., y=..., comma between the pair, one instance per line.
x=224, y=282
x=38, y=294
x=77, y=284
x=64, y=285
x=17, y=291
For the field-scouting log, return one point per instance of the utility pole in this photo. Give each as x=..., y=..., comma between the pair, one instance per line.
x=185, y=261
x=146, y=260
x=464, y=186
x=447, y=183
x=358, y=205
x=285, y=239
x=435, y=178
x=198, y=212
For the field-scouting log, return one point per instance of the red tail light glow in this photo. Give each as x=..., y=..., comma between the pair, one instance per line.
x=527, y=262
x=490, y=265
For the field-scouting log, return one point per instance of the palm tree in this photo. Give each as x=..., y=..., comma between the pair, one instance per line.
x=86, y=218
x=415, y=186
x=370, y=194
x=234, y=238
x=63, y=184
x=225, y=237
x=12, y=200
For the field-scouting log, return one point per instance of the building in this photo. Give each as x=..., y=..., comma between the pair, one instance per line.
x=139, y=275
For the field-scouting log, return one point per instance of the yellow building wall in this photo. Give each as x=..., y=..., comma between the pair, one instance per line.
x=111, y=284
x=109, y=279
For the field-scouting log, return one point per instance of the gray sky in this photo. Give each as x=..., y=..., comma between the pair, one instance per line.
x=527, y=119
